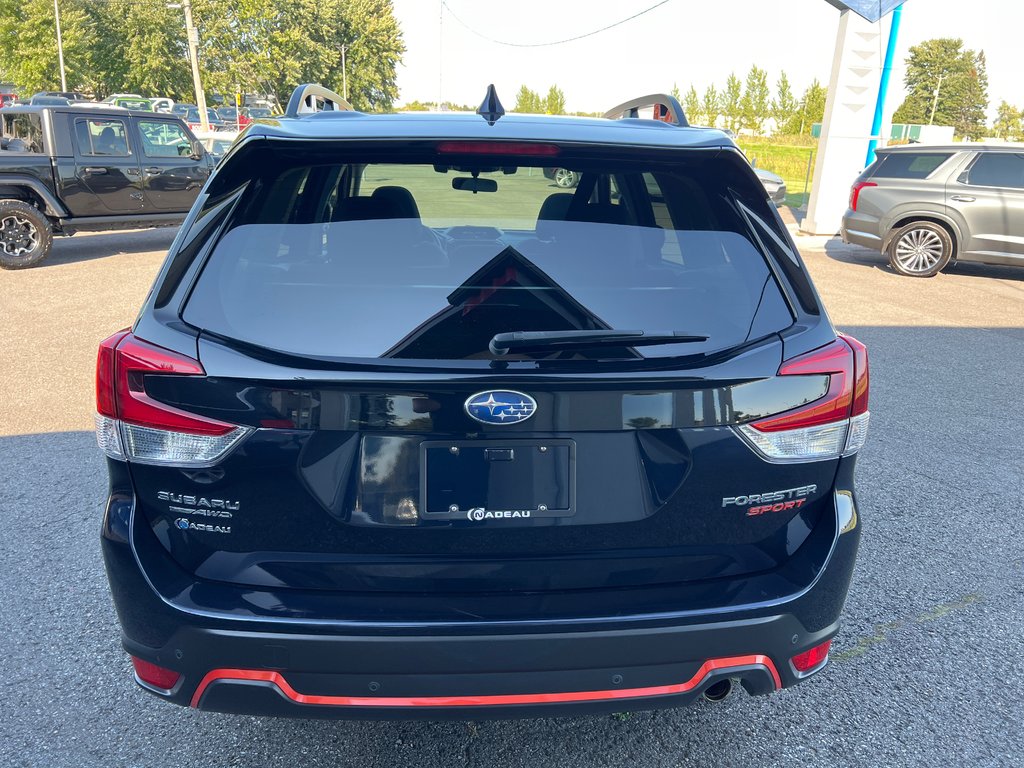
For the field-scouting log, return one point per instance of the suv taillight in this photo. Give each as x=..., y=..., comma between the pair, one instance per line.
x=131, y=425
x=832, y=426
x=855, y=192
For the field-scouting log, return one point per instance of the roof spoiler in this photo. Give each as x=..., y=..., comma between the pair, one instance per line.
x=311, y=98
x=666, y=108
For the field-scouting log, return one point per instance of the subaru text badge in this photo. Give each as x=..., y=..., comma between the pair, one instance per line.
x=500, y=406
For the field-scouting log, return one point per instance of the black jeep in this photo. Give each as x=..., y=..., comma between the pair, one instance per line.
x=80, y=167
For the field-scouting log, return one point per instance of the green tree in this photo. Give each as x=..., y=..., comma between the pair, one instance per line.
x=946, y=84
x=732, y=106
x=811, y=110
x=784, y=106
x=28, y=41
x=711, y=106
x=691, y=106
x=1008, y=124
x=755, y=105
x=674, y=93
x=528, y=102
x=554, y=103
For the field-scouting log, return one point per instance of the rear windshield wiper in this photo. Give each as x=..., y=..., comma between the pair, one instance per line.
x=530, y=341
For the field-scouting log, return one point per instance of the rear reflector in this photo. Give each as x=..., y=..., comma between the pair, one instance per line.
x=132, y=425
x=832, y=426
x=808, y=660
x=156, y=676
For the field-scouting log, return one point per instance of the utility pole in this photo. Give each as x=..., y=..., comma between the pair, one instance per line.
x=440, y=50
x=60, y=48
x=193, y=54
x=344, y=73
x=935, y=102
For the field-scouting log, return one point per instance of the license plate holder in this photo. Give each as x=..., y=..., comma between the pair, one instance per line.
x=497, y=479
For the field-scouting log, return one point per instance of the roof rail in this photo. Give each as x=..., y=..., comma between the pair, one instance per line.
x=311, y=98
x=673, y=110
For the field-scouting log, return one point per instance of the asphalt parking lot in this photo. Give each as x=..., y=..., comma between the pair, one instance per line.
x=927, y=670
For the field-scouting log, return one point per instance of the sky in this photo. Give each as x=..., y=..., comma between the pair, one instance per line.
x=682, y=42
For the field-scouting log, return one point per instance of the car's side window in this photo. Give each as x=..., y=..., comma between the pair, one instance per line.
x=997, y=169
x=102, y=136
x=161, y=138
x=24, y=133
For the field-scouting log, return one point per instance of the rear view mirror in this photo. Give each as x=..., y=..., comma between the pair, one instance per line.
x=197, y=150
x=475, y=185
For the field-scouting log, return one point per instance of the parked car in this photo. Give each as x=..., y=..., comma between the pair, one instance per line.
x=562, y=177
x=215, y=122
x=927, y=207
x=233, y=117
x=162, y=104
x=7, y=99
x=216, y=143
x=85, y=166
x=48, y=101
x=130, y=101
x=259, y=113
x=181, y=108
x=66, y=95
x=399, y=434
x=773, y=184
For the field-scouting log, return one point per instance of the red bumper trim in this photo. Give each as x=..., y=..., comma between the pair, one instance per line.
x=277, y=679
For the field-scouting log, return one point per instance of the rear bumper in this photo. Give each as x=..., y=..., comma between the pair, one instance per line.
x=859, y=229
x=458, y=677
x=234, y=660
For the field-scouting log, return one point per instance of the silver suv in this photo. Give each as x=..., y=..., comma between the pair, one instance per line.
x=927, y=206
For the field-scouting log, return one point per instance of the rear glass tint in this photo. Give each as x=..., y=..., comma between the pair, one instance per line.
x=428, y=262
x=908, y=165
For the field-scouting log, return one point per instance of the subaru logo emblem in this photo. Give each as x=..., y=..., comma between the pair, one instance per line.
x=500, y=406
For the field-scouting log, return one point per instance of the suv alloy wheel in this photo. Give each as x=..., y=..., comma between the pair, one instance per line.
x=565, y=178
x=920, y=249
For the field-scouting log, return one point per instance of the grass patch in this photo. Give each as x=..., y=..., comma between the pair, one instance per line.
x=788, y=161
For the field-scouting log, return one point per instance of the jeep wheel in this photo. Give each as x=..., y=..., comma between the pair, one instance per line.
x=920, y=249
x=25, y=235
x=565, y=178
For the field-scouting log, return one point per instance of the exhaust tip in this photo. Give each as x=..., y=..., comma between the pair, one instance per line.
x=718, y=691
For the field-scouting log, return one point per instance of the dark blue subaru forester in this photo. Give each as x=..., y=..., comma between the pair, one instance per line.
x=405, y=429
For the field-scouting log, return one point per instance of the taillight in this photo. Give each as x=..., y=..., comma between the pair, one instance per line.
x=815, y=657
x=855, y=192
x=831, y=426
x=131, y=425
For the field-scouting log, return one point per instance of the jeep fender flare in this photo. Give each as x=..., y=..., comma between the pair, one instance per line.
x=51, y=205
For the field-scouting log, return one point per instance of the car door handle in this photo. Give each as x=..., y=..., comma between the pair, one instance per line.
x=153, y=171
x=963, y=198
x=94, y=171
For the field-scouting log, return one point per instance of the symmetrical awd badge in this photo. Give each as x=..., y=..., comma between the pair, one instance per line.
x=500, y=406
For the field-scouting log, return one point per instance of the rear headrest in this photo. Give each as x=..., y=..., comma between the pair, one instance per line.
x=400, y=199
x=603, y=213
x=365, y=208
x=554, y=208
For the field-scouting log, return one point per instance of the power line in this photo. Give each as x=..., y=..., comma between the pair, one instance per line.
x=553, y=42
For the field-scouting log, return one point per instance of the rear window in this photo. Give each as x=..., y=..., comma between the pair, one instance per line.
x=429, y=260
x=908, y=165
x=23, y=132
